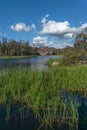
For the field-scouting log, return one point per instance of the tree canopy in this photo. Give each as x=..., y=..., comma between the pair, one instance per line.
x=77, y=53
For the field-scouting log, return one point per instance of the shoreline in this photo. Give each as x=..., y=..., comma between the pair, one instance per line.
x=15, y=57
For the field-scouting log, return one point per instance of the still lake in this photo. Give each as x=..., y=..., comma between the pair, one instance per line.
x=33, y=62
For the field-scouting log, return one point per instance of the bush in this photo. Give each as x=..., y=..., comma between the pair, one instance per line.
x=73, y=56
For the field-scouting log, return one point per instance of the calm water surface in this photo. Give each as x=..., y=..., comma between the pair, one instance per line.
x=37, y=61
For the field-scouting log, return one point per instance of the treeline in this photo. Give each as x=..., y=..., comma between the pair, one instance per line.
x=16, y=48
x=77, y=53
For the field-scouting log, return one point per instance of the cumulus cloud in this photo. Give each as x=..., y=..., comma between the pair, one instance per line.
x=22, y=27
x=39, y=41
x=43, y=41
x=60, y=29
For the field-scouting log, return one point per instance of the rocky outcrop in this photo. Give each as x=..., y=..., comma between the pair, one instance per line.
x=47, y=51
x=43, y=51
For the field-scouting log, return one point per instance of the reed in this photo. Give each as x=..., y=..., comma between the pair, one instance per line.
x=46, y=91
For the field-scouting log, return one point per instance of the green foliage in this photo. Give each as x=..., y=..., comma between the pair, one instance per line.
x=21, y=48
x=15, y=57
x=37, y=88
x=81, y=41
x=15, y=48
x=51, y=60
x=73, y=56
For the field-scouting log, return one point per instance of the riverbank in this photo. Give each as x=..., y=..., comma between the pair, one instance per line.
x=15, y=57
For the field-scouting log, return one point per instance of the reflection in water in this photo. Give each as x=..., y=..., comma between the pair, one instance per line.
x=13, y=63
x=26, y=120
x=19, y=117
x=37, y=61
x=82, y=110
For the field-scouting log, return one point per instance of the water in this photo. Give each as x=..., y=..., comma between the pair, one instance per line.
x=13, y=118
x=37, y=61
x=20, y=117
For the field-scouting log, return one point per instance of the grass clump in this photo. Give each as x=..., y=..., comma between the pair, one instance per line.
x=42, y=85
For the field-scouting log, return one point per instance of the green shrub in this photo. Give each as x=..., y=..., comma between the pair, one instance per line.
x=73, y=56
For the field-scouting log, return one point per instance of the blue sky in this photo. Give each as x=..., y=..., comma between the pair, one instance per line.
x=43, y=22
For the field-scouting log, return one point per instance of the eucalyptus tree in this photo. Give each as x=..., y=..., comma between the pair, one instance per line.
x=4, y=46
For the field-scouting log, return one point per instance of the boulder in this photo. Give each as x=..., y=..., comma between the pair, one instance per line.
x=55, y=63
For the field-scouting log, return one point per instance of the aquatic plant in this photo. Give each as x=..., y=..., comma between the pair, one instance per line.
x=50, y=94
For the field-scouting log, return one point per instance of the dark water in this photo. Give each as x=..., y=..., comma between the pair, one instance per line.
x=37, y=61
x=19, y=117
x=13, y=118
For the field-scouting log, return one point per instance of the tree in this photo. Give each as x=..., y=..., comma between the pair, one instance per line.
x=72, y=56
x=81, y=40
x=78, y=52
x=12, y=47
x=4, y=46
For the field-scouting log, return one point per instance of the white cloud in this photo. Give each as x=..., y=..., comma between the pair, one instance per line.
x=50, y=44
x=57, y=28
x=60, y=29
x=19, y=27
x=44, y=20
x=82, y=27
x=33, y=26
x=69, y=35
x=47, y=15
x=58, y=44
x=63, y=32
x=63, y=45
x=39, y=41
x=43, y=41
